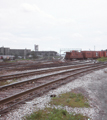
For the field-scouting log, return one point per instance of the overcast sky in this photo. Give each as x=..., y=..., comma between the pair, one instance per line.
x=53, y=24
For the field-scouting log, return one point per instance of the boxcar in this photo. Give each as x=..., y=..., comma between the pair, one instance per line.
x=101, y=54
x=67, y=56
x=105, y=53
x=95, y=54
x=87, y=54
x=76, y=55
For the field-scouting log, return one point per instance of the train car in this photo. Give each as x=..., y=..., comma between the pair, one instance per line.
x=76, y=55
x=105, y=53
x=95, y=54
x=67, y=56
x=101, y=54
x=87, y=54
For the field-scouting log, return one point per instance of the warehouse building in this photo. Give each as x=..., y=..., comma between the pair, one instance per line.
x=24, y=53
x=45, y=53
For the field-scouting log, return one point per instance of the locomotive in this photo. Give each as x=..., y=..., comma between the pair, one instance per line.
x=79, y=55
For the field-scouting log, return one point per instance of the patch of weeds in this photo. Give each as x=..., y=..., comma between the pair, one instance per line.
x=8, y=82
x=72, y=95
x=14, y=80
x=80, y=95
x=77, y=100
x=68, y=100
x=86, y=104
x=37, y=115
x=71, y=100
x=3, y=83
x=54, y=114
x=102, y=59
x=11, y=61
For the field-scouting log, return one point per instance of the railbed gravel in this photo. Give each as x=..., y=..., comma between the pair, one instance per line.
x=91, y=85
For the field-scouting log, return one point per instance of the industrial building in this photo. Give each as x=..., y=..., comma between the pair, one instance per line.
x=25, y=53
x=45, y=53
x=15, y=52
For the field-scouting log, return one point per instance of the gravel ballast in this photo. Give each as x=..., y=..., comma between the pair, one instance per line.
x=93, y=86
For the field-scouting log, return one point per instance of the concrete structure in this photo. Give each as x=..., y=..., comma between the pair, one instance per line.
x=20, y=52
x=24, y=53
x=15, y=52
x=36, y=47
x=45, y=53
x=4, y=51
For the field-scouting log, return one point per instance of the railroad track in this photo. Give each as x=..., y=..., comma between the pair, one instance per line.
x=63, y=77
x=39, y=71
x=66, y=69
x=29, y=66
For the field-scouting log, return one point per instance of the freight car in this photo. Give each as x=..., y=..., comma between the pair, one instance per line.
x=68, y=55
x=85, y=54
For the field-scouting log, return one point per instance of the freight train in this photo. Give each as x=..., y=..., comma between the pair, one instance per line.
x=79, y=55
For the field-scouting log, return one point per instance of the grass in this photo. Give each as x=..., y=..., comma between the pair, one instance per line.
x=23, y=59
x=11, y=61
x=68, y=99
x=102, y=59
x=71, y=100
x=54, y=114
x=7, y=82
x=3, y=83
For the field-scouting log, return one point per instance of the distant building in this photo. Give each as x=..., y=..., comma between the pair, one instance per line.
x=20, y=52
x=36, y=47
x=45, y=53
x=24, y=53
x=4, y=51
x=15, y=52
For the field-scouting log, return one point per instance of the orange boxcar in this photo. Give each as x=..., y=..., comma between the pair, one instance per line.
x=105, y=53
x=67, y=56
x=101, y=54
x=76, y=55
x=95, y=54
x=87, y=54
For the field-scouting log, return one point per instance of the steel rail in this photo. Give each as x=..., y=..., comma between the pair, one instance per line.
x=8, y=99
x=34, y=66
x=39, y=71
x=38, y=78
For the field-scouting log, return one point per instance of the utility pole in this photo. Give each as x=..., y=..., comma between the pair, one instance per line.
x=60, y=52
x=25, y=53
x=94, y=47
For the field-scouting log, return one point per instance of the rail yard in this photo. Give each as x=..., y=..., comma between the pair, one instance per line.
x=53, y=60
x=23, y=82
